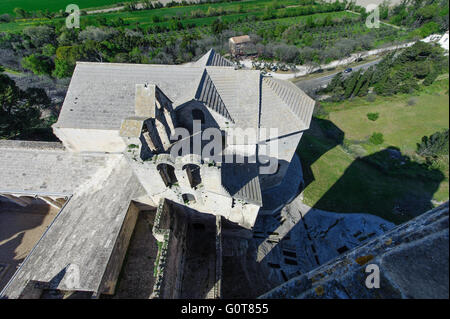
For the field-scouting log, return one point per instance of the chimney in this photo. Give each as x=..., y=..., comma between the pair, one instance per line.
x=145, y=100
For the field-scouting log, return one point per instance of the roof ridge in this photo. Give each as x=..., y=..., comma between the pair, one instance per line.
x=208, y=94
x=295, y=99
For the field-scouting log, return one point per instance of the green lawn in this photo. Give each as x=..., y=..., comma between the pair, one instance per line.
x=402, y=125
x=338, y=180
x=7, y=6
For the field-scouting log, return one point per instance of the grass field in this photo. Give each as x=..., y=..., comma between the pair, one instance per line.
x=7, y=6
x=337, y=180
x=144, y=17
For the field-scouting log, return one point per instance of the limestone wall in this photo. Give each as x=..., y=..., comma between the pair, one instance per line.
x=111, y=275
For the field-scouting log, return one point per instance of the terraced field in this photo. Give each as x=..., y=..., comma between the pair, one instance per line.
x=7, y=6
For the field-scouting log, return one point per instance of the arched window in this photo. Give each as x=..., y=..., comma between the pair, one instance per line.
x=198, y=115
x=193, y=173
x=167, y=173
x=188, y=198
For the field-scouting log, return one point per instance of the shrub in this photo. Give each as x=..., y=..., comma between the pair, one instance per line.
x=434, y=145
x=38, y=64
x=5, y=18
x=412, y=101
x=373, y=116
x=377, y=138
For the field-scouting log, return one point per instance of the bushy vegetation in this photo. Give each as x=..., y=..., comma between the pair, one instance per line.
x=424, y=17
x=398, y=72
x=373, y=116
x=434, y=145
x=288, y=31
x=20, y=115
x=377, y=138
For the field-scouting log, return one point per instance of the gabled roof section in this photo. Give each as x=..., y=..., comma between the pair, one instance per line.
x=251, y=192
x=211, y=58
x=101, y=95
x=40, y=167
x=207, y=93
x=240, y=91
x=85, y=233
x=242, y=182
x=300, y=104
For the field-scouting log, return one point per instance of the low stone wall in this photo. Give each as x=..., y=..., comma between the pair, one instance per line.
x=218, y=275
x=112, y=272
x=170, y=230
x=412, y=259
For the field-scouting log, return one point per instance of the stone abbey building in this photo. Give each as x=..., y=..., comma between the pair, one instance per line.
x=115, y=163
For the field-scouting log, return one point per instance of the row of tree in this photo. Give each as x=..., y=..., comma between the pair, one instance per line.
x=20, y=115
x=398, y=72
x=425, y=17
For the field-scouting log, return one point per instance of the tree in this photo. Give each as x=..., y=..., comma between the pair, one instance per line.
x=5, y=18
x=63, y=69
x=20, y=13
x=37, y=96
x=350, y=83
x=38, y=64
x=434, y=145
x=18, y=113
x=218, y=26
x=40, y=35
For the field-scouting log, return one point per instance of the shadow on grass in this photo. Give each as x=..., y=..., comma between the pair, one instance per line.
x=387, y=183
x=309, y=153
x=391, y=186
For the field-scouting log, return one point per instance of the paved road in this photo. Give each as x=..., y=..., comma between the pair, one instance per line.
x=316, y=83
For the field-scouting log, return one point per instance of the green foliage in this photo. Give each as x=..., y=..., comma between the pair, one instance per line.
x=38, y=64
x=19, y=112
x=430, y=78
x=48, y=50
x=434, y=145
x=396, y=73
x=373, y=116
x=218, y=26
x=63, y=69
x=376, y=138
x=425, y=16
x=20, y=13
x=427, y=29
x=350, y=84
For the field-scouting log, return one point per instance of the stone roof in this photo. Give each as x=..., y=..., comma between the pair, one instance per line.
x=285, y=100
x=242, y=182
x=240, y=39
x=84, y=233
x=239, y=90
x=212, y=58
x=45, y=168
x=207, y=93
x=101, y=95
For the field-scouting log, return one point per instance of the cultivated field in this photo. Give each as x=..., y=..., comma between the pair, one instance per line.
x=7, y=6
